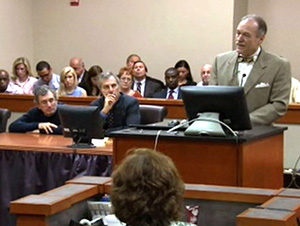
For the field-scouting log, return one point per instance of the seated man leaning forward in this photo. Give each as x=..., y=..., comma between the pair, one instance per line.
x=44, y=117
x=119, y=110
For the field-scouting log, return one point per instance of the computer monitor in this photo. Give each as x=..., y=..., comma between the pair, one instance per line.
x=225, y=103
x=82, y=123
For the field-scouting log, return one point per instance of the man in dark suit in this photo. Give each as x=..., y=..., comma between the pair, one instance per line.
x=119, y=110
x=172, y=90
x=78, y=65
x=146, y=85
x=266, y=78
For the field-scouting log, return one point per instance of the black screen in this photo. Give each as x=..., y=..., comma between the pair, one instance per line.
x=228, y=101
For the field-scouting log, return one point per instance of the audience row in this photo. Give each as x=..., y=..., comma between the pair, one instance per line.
x=75, y=80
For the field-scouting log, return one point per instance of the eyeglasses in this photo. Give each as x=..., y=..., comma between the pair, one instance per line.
x=45, y=102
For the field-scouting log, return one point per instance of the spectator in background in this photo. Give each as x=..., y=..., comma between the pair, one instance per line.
x=126, y=80
x=185, y=75
x=147, y=190
x=92, y=81
x=22, y=75
x=144, y=84
x=47, y=77
x=68, y=84
x=44, y=117
x=78, y=65
x=131, y=59
x=172, y=90
x=295, y=91
x=6, y=86
x=205, y=75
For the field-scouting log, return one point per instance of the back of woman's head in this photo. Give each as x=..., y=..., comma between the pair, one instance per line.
x=147, y=189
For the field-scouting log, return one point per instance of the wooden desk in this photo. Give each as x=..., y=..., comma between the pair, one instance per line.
x=47, y=143
x=34, y=163
x=254, y=160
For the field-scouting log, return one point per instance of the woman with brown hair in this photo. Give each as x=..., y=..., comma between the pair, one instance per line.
x=147, y=190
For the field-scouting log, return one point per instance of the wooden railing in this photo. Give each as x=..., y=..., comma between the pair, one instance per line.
x=62, y=204
x=22, y=103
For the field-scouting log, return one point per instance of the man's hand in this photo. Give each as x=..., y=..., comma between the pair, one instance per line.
x=110, y=101
x=47, y=126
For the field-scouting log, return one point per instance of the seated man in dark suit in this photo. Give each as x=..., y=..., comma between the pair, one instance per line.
x=118, y=109
x=144, y=84
x=44, y=117
x=78, y=65
x=131, y=59
x=172, y=90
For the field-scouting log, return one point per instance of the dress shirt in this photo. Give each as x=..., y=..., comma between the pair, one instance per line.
x=244, y=68
x=54, y=83
x=143, y=83
x=26, y=86
x=175, y=93
x=14, y=89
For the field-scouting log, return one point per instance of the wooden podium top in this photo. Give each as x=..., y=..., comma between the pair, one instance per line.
x=47, y=143
x=151, y=131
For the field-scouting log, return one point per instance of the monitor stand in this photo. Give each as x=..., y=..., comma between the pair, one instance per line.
x=206, y=125
x=81, y=143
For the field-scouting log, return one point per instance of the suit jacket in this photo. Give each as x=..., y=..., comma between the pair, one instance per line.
x=267, y=88
x=152, y=86
x=83, y=84
x=126, y=111
x=163, y=94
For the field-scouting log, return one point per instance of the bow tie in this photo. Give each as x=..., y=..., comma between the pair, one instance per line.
x=245, y=59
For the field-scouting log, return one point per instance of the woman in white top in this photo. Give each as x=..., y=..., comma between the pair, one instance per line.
x=69, y=84
x=22, y=75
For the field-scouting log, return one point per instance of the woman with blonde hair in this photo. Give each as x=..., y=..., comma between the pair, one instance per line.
x=69, y=84
x=22, y=75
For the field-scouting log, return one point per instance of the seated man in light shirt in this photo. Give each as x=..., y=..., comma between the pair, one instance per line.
x=172, y=90
x=44, y=117
x=205, y=75
x=6, y=86
x=295, y=91
x=47, y=77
